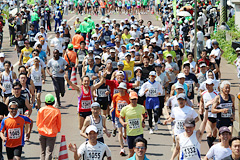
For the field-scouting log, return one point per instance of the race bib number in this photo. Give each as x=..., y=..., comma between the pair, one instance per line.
x=179, y=124
x=90, y=75
x=178, y=57
x=102, y=92
x=89, y=4
x=14, y=133
x=189, y=151
x=66, y=39
x=114, y=64
x=36, y=78
x=190, y=84
x=26, y=53
x=93, y=155
x=129, y=73
x=7, y=85
x=115, y=91
x=121, y=104
x=20, y=43
x=134, y=123
x=229, y=107
x=20, y=110
x=81, y=57
x=86, y=104
x=152, y=92
x=31, y=39
x=106, y=38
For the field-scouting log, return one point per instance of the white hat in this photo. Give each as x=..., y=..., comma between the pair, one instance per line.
x=151, y=28
x=141, y=26
x=163, y=29
x=159, y=29
x=202, y=65
x=106, y=25
x=122, y=85
x=168, y=55
x=168, y=44
x=132, y=38
x=181, y=75
x=136, y=44
x=97, y=57
x=2, y=54
x=120, y=73
x=127, y=54
x=114, y=19
x=175, y=44
x=153, y=40
x=112, y=50
x=146, y=35
x=237, y=49
x=134, y=27
x=36, y=57
x=152, y=73
x=91, y=128
x=94, y=36
x=122, y=21
x=209, y=81
x=90, y=49
x=135, y=69
x=166, y=36
x=179, y=86
x=146, y=50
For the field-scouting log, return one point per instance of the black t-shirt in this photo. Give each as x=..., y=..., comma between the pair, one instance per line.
x=156, y=49
x=21, y=102
x=190, y=79
x=3, y=109
x=146, y=71
x=97, y=51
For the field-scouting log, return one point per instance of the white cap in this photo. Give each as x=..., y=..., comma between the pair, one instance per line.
x=122, y=85
x=2, y=54
x=136, y=44
x=132, y=38
x=168, y=55
x=209, y=81
x=153, y=40
x=122, y=21
x=237, y=49
x=146, y=50
x=141, y=26
x=97, y=57
x=135, y=69
x=114, y=19
x=202, y=65
x=163, y=29
x=168, y=44
x=90, y=48
x=146, y=35
x=179, y=86
x=152, y=73
x=159, y=29
x=94, y=35
x=91, y=128
x=106, y=25
x=36, y=58
x=134, y=27
x=120, y=73
x=152, y=28
x=127, y=54
x=181, y=75
x=112, y=50
x=175, y=43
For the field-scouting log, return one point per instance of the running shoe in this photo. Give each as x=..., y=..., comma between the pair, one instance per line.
x=122, y=152
x=156, y=127
x=151, y=131
x=114, y=133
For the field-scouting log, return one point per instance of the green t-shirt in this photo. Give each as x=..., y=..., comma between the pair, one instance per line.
x=84, y=27
x=165, y=53
x=145, y=2
x=133, y=116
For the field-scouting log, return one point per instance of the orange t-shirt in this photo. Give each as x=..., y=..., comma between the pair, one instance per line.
x=14, y=128
x=76, y=41
x=119, y=102
x=103, y=4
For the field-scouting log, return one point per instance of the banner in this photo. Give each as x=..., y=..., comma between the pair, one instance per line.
x=5, y=12
x=174, y=3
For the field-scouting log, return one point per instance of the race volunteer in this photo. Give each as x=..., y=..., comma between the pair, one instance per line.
x=224, y=106
x=152, y=89
x=188, y=143
x=85, y=97
x=207, y=96
x=119, y=101
x=13, y=124
x=97, y=120
x=134, y=120
x=91, y=149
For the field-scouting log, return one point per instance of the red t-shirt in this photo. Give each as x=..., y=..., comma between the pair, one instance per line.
x=202, y=60
x=113, y=84
x=1, y=26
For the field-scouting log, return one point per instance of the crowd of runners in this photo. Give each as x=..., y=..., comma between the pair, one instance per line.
x=129, y=73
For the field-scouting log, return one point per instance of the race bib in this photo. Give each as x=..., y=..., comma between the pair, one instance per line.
x=36, y=78
x=178, y=57
x=152, y=92
x=66, y=39
x=121, y=104
x=93, y=155
x=190, y=84
x=20, y=43
x=179, y=124
x=106, y=38
x=86, y=104
x=7, y=85
x=20, y=110
x=90, y=75
x=115, y=91
x=134, y=123
x=81, y=57
x=31, y=39
x=229, y=107
x=129, y=73
x=14, y=133
x=26, y=53
x=189, y=151
x=102, y=93
x=114, y=65
x=89, y=4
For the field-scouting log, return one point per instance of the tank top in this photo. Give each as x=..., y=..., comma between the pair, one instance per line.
x=225, y=104
x=90, y=73
x=21, y=103
x=66, y=38
x=208, y=97
x=99, y=125
x=26, y=93
x=189, y=147
x=101, y=91
x=85, y=101
x=7, y=81
x=36, y=76
x=184, y=86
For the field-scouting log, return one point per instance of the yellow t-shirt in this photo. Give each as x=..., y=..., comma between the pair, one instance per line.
x=126, y=38
x=26, y=52
x=133, y=116
x=165, y=53
x=128, y=68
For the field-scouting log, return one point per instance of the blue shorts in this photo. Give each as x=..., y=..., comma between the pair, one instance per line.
x=130, y=140
x=152, y=102
x=117, y=123
x=129, y=7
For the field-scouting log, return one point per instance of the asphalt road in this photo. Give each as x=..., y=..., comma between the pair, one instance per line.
x=159, y=144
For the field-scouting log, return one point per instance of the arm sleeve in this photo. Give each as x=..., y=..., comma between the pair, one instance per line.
x=141, y=91
x=194, y=114
x=27, y=120
x=2, y=129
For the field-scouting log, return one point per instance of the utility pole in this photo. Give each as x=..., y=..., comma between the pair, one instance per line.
x=18, y=6
x=195, y=28
x=223, y=11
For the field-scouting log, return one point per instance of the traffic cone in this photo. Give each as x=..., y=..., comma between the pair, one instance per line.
x=63, y=154
x=73, y=78
x=87, y=41
x=180, y=39
x=152, y=12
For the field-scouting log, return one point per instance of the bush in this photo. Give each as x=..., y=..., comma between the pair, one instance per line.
x=229, y=53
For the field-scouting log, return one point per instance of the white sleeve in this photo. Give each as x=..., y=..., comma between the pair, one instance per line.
x=42, y=63
x=172, y=114
x=194, y=114
x=81, y=149
x=210, y=153
x=141, y=91
x=160, y=90
x=52, y=42
x=108, y=152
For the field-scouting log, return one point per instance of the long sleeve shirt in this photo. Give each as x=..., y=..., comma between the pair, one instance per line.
x=154, y=89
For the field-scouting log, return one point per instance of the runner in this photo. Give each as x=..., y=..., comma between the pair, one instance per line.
x=140, y=148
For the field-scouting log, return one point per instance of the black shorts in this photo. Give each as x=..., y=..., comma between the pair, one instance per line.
x=169, y=88
x=213, y=120
x=141, y=100
x=130, y=140
x=7, y=95
x=224, y=122
x=84, y=114
x=38, y=89
x=103, y=103
x=16, y=151
x=89, y=7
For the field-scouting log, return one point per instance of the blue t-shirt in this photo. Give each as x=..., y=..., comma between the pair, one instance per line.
x=129, y=45
x=42, y=55
x=134, y=157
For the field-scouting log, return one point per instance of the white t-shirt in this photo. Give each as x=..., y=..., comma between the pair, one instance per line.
x=209, y=43
x=180, y=115
x=200, y=36
x=217, y=151
x=135, y=34
x=192, y=65
x=58, y=43
x=44, y=46
x=105, y=56
x=96, y=152
x=217, y=53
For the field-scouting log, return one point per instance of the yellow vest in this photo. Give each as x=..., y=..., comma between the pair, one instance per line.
x=128, y=68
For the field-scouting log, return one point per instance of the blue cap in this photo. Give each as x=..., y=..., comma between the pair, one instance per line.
x=132, y=16
x=120, y=63
x=158, y=65
x=137, y=54
x=160, y=52
x=57, y=7
x=112, y=37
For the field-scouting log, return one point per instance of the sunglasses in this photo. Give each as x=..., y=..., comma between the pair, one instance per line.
x=140, y=147
x=134, y=99
x=16, y=88
x=13, y=108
